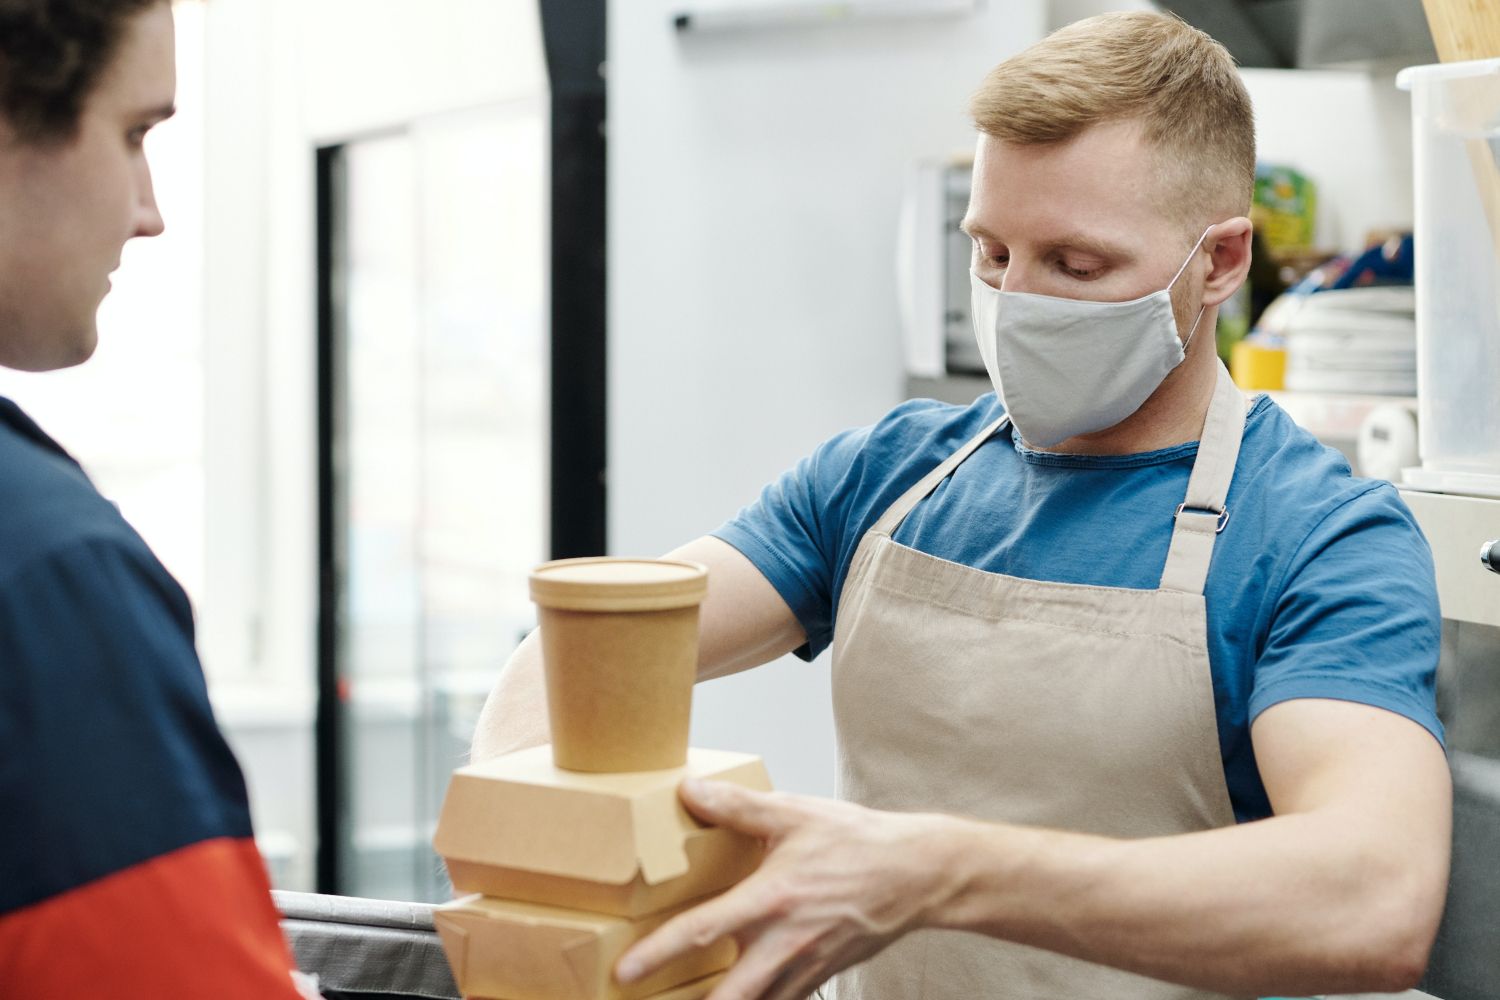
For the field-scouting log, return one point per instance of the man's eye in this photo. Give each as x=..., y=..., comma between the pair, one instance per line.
x=993, y=257
x=1079, y=272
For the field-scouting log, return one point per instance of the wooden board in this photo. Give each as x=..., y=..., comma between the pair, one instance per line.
x=1464, y=29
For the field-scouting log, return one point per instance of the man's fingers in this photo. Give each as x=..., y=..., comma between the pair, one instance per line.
x=798, y=982
x=759, y=814
x=720, y=803
x=755, y=975
x=696, y=928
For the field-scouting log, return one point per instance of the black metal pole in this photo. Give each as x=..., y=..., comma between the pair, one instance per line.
x=327, y=738
x=574, y=39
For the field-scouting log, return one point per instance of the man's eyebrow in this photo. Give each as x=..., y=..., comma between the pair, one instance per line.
x=1070, y=241
x=1091, y=244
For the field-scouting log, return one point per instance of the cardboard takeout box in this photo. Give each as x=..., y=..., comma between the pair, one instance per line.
x=695, y=990
x=502, y=950
x=519, y=827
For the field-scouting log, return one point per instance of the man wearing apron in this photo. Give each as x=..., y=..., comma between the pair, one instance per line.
x=1133, y=681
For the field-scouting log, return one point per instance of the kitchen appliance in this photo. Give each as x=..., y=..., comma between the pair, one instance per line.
x=1456, y=142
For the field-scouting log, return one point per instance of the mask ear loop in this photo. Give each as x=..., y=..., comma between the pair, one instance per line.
x=1188, y=342
x=1201, y=309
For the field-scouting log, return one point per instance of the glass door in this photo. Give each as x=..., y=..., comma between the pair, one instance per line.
x=434, y=380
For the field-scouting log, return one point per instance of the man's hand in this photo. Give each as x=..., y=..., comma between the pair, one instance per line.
x=1339, y=892
x=839, y=883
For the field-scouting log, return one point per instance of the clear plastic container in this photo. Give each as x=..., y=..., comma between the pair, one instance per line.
x=1456, y=144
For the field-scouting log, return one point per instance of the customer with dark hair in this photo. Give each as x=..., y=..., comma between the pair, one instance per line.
x=127, y=866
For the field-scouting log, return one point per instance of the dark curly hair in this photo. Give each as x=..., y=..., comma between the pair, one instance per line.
x=52, y=53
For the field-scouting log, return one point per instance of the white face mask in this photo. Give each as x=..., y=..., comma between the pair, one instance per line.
x=1065, y=367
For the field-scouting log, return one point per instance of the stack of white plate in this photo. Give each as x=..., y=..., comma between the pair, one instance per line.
x=1356, y=340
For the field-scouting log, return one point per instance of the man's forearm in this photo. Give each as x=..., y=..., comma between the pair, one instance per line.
x=515, y=714
x=1291, y=905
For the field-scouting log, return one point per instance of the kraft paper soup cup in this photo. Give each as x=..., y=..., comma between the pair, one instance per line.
x=620, y=647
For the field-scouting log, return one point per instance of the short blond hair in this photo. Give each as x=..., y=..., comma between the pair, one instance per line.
x=1177, y=82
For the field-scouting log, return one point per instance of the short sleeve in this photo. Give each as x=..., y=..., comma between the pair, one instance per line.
x=1356, y=618
x=804, y=528
x=127, y=834
x=794, y=532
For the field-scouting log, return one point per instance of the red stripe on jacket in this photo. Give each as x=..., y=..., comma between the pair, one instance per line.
x=197, y=922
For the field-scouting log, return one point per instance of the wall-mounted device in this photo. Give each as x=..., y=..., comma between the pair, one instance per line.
x=734, y=15
x=932, y=271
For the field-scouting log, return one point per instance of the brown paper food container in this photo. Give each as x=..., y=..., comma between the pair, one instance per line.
x=523, y=951
x=519, y=827
x=620, y=649
x=695, y=990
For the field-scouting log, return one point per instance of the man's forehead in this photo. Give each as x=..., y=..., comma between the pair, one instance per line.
x=1100, y=188
x=141, y=79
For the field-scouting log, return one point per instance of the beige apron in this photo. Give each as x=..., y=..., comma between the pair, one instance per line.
x=1046, y=704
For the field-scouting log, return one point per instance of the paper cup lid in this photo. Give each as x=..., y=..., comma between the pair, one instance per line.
x=605, y=584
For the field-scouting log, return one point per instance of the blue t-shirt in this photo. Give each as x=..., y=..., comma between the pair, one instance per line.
x=1321, y=584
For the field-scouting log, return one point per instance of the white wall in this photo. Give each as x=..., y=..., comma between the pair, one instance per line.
x=366, y=66
x=755, y=181
x=1350, y=131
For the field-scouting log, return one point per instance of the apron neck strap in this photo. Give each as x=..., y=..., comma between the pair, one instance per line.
x=896, y=513
x=1202, y=515
x=1199, y=518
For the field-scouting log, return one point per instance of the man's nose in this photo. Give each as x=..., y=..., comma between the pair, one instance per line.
x=148, y=220
x=1019, y=276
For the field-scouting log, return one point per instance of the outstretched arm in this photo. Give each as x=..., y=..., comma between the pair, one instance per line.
x=743, y=623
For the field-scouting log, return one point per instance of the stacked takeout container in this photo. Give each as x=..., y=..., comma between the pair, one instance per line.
x=572, y=852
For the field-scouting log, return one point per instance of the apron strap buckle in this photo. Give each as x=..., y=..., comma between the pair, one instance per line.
x=1222, y=514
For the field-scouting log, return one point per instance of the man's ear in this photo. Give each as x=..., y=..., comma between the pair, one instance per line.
x=1228, y=245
